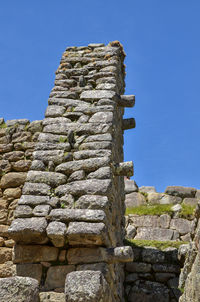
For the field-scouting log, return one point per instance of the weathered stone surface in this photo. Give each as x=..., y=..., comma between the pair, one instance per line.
x=164, y=221
x=130, y=231
x=67, y=201
x=36, y=189
x=182, y=192
x=67, y=102
x=192, y=290
x=83, y=233
x=52, y=297
x=56, y=276
x=35, y=126
x=163, y=277
x=20, y=289
x=97, y=94
x=6, y=148
x=87, y=128
x=7, y=269
x=144, y=221
x=153, y=255
x=123, y=169
x=29, y=230
x=130, y=186
x=183, y=226
x=102, y=267
x=119, y=254
x=154, y=197
x=56, y=156
x=147, y=291
x=66, y=215
x=165, y=267
x=96, y=146
x=147, y=189
x=138, y=267
x=88, y=286
x=85, y=255
x=190, y=201
x=82, y=187
x=12, y=193
x=29, y=270
x=94, y=202
x=50, y=178
x=154, y=234
x=3, y=230
x=101, y=117
x=98, y=138
x=41, y=210
x=33, y=200
x=101, y=173
x=3, y=216
x=91, y=153
x=5, y=254
x=12, y=180
x=23, y=211
x=37, y=165
x=5, y=166
x=14, y=156
x=34, y=253
x=54, y=111
x=168, y=199
x=88, y=165
x=134, y=200
x=77, y=175
x=56, y=231
x=21, y=165
x=60, y=144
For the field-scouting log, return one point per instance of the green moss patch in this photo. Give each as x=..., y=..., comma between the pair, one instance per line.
x=159, y=209
x=161, y=245
x=3, y=125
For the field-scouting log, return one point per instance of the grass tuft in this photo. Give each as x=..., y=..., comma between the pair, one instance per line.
x=159, y=209
x=161, y=245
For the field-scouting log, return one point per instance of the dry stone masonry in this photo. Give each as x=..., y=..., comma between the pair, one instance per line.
x=69, y=219
x=17, y=142
x=165, y=226
x=63, y=199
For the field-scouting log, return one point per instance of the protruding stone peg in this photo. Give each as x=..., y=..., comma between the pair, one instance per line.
x=128, y=123
x=124, y=169
x=126, y=100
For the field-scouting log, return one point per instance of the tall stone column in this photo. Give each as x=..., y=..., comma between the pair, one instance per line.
x=69, y=222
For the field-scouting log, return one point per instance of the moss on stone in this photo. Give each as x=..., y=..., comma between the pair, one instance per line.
x=161, y=245
x=159, y=209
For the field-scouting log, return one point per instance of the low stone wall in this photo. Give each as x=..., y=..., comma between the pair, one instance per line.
x=147, y=195
x=17, y=142
x=153, y=275
x=165, y=226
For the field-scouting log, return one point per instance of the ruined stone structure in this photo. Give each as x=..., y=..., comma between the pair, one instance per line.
x=62, y=198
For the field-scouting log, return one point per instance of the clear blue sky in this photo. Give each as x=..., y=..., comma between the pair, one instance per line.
x=162, y=43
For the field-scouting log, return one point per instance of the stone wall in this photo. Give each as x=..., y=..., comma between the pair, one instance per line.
x=160, y=227
x=62, y=191
x=17, y=142
x=153, y=275
x=69, y=220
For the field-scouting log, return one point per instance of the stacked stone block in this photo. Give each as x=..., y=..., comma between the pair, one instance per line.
x=17, y=141
x=69, y=220
x=153, y=275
